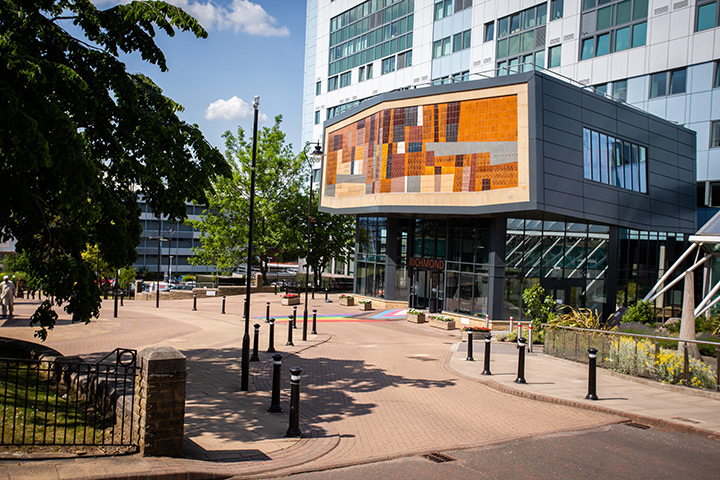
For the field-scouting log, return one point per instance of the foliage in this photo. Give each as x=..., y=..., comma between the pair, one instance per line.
x=126, y=277
x=639, y=328
x=414, y=311
x=502, y=336
x=641, y=312
x=441, y=318
x=188, y=278
x=344, y=295
x=538, y=306
x=81, y=139
x=468, y=328
x=289, y=295
x=365, y=301
x=224, y=226
x=578, y=317
x=708, y=350
x=632, y=359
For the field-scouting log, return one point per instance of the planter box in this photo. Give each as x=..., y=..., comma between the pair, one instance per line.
x=416, y=317
x=443, y=325
x=347, y=301
x=290, y=301
x=477, y=336
x=365, y=306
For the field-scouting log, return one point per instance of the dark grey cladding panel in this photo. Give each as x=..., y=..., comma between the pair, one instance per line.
x=599, y=104
x=601, y=207
x=635, y=132
x=563, y=184
x=562, y=123
x=663, y=182
x=663, y=128
x=688, y=137
x=556, y=105
x=564, y=153
x=663, y=143
x=560, y=137
x=627, y=199
x=657, y=167
x=558, y=202
x=599, y=122
x=563, y=91
x=561, y=168
x=686, y=150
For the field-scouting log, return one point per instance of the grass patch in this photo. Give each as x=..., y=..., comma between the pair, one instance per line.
x=36, y=410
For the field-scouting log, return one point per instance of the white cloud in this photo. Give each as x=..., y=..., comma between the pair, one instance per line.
x=231, y=109
x=241, y=16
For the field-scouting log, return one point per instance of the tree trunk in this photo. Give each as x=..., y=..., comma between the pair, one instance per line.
x=687, y=324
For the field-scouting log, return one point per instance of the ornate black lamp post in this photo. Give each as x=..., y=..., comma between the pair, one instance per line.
x=316, y=155
x=245, y=373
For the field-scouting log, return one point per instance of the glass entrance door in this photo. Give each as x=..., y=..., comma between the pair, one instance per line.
x=428, y=290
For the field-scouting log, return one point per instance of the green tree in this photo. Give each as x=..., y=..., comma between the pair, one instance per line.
x=81, y=138
x=224, y=226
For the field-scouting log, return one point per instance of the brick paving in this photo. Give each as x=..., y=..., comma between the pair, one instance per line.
x=372, y=389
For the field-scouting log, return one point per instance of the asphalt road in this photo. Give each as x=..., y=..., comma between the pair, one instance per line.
x=612, y=452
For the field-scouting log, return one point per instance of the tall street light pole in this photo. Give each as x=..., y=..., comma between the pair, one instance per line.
x=245, y=371
x=171, y=231
x=160, y=239
x=316, y=155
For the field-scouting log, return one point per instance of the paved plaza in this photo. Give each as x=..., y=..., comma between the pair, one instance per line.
x=374, y=387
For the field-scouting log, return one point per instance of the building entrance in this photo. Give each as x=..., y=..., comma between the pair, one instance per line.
x=427, y=290
x=565, y=291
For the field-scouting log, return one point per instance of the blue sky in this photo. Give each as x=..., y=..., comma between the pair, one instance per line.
x=253, y=48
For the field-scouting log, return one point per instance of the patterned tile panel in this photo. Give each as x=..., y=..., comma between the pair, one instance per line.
x=461, y=146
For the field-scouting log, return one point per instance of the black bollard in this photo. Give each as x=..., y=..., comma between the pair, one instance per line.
x=277, y=367
x=122, y=297
x=271, y=341
x=223, y=306
x=314, y=330
x=486, y=367
x=313, y=292
x=255, y=357
x=275, y=288
x=290, y=328
x=194, y=302
x=327, y=290
x=521, y=361
x=592, y=378
x=115, y=301
x=294, y=428
x=267, y=312
x=470, y=346
x=294, y=317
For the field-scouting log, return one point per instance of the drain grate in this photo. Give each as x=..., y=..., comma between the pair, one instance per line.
x=637, y=425
x=438, y=457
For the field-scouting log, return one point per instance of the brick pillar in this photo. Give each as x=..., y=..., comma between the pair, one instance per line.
x=160, y=401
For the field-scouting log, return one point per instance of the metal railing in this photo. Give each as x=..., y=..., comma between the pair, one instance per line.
x=635, y=354
x=62, y=402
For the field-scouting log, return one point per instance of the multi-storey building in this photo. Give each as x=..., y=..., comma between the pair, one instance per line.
x=471, y=244
x=176, y=244
x=658, y=55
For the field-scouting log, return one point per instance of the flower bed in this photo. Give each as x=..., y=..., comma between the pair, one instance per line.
x=478, y=333
x=415, y=316
x=442, y=322
x=290, y=299
x=365, y=305
x=347, y=300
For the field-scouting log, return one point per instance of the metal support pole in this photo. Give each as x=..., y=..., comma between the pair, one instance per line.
x=267, y=312
x=223, y=306
x=115, y=301
x=245, y=371
x=470, y=346
x=521, y=361
x=314, y=329
x=290, y=329
x=305, y=325
x=271, y=340
x=255, y=357
x=510, y=327
x=592, y=375
x=294, y=317
x=519, y=330
x=686, y=365
x=294, y=427
x=275, y=400
x=487, y=321
x=194, y=302
x=486, y=366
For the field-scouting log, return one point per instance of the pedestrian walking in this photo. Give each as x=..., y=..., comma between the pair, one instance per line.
x=7, y=296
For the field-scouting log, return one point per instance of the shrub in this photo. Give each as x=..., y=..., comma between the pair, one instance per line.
x=188, y=278
x=639, y=328
x=364, y=301
x=441, y=318
x=538, y=306
x=468, y=328
x=413, y=311
x=578, y=317
x=501, y=337
x=641, y=312
x=707, y=350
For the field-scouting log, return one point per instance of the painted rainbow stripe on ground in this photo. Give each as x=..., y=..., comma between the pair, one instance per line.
x=382, y=316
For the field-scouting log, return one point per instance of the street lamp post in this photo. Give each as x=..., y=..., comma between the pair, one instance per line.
x=245, y=370
x=316, y=154
x=171, y=231
x=160, y=239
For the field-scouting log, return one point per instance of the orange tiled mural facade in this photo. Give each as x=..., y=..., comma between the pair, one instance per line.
x=462, y=146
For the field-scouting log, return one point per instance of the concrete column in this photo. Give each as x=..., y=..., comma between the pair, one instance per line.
x=392, y=257
x=160, y=401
